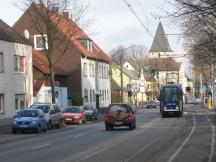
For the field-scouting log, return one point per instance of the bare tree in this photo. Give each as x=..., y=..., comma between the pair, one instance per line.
x=56, y=21
x=198, y=22
x=119, y=57
x=137, y=54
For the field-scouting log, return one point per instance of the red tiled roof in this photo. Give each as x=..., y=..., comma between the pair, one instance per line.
x=37, y=86
x=40, y=62
x=75, y=33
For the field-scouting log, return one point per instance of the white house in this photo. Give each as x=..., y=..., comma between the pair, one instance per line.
x=96, y=82
x=15, y=72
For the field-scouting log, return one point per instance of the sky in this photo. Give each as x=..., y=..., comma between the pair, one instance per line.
x=114, y=24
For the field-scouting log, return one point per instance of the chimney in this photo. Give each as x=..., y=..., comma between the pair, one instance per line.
x=55, y=9
x=65, y=14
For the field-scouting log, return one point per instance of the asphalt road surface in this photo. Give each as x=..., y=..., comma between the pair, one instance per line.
x=190, y=138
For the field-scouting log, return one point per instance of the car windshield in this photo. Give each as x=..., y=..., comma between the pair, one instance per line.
x=88, y=108
x=44, y=108
x=28, y=113
x=114, y=108
x=72, y=110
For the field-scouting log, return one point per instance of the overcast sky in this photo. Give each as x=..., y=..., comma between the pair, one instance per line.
x=114, y=24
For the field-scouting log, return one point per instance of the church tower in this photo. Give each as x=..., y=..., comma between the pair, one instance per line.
x=160, y=47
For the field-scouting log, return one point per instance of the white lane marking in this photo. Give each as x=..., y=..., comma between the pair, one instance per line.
x=79, y=135
x=185, y=141
x=40, y=146
x=96, y=152
x=142, y=131
x=210, y=158
x=141, y=150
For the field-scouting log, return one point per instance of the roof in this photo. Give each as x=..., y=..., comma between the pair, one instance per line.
x=133, y=74
x=9, y=34
x=40, y=62
x=160, y=42
x=66, y=25
x=38, y=84
x=160, y=64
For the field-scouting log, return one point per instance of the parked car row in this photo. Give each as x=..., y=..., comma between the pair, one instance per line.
x=43, y=116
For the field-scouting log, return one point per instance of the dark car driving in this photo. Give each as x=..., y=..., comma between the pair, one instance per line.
x=120, y=115
x=151, y=104
x=91, y=112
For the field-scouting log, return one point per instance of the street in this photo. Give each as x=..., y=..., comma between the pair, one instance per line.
x=190, y=138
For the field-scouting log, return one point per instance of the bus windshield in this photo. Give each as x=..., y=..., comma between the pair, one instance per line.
x=170, y=94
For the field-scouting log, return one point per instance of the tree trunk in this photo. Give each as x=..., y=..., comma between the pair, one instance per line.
x=52, y=81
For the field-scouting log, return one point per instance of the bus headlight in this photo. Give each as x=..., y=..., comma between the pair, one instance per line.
x=165, y=107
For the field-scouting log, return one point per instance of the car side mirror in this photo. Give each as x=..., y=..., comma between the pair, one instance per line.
x=14, y=116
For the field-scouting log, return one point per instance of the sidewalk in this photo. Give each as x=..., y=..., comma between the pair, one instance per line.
x=5, y=125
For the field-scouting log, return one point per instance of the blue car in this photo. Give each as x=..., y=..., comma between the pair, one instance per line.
x=29, y=120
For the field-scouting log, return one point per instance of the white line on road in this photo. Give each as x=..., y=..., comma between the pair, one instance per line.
x=141, y=150
x=185, y=141
x=40, y=146
x=79, y=135
x=210, y=158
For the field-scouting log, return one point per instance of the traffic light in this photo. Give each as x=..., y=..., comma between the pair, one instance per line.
x=187, y=89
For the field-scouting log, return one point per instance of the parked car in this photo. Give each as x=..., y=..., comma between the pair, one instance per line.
x=151, y=104
x=91, y=112
x=74, y=114
x=120, y=115
x=29, y=120
x=52, y=113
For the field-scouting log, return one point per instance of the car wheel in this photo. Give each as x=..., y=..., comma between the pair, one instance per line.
x=163, y=115
x=131, y=126
x=107, y=127
x=84, y=121
x=45, y=128
x=38, y=130
x=59, y=124
x=14, y=131
x=134, y=126
x=49, y=125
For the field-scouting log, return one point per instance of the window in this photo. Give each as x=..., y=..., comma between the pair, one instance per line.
x=86, y=95
x=40, y=42
x=107, y=95
x=1, y=103
x=85, y=69
x=19, y=64
x=90, y=95
x=93, y=95
x=1, y=63
x=87, y=44
x=19, y=101
x=93, y=71
x=102, y=72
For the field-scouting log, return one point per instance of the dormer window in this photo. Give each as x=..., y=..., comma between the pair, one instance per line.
x=87, y=44
x=40, y=42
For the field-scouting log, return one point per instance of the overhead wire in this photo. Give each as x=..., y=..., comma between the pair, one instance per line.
x=141, y=22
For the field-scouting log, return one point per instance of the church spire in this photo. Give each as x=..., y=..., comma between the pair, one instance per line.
x=160, y=42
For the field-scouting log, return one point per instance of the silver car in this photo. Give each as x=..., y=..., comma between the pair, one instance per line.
x=52, y=113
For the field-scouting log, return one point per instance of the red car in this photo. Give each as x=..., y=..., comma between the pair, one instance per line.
x=120, y=115
x=74, y=114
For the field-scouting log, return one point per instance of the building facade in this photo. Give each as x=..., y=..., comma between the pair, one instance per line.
x=15, y=72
